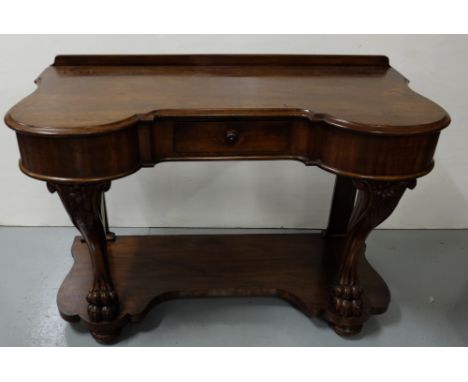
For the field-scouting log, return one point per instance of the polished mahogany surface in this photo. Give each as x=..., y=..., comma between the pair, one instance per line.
x=84, y=95
x=148, y=270
x=97, y=118
x=94, y=119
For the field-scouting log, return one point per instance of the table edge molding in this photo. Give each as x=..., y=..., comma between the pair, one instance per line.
x=244, y=113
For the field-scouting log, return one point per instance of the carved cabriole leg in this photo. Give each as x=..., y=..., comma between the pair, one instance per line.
x=83, y=203
x=375, y=201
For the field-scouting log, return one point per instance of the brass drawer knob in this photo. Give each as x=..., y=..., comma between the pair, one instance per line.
x=231, y=137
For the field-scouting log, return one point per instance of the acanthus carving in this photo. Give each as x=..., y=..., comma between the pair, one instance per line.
x=375, y=201
x=83, y=203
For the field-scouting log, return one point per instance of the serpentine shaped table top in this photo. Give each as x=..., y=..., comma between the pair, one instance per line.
x=96, y=94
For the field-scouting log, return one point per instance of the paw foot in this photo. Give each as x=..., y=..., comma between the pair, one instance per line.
x=103, y=304
x=347, y=300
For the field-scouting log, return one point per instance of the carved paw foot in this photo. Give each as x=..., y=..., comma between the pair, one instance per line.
x=103, y=303
x=347, y=300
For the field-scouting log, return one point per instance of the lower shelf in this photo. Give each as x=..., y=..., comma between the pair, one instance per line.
x=147, y=270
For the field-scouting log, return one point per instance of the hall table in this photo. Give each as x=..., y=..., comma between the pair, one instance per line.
x=97, y=118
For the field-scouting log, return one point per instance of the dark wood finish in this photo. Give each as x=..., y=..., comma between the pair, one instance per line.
x=375, y=201
x=220, y=60
x=218, y=137
x=84, y=205
x=94, y=119
x=344, y=195
x=103, y=157
x=148, y=270
x=109, y=234
x=80, y=159
x=354, y=116
x=318, y=88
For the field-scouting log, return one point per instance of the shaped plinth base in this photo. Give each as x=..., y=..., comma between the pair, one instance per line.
x=147, y=270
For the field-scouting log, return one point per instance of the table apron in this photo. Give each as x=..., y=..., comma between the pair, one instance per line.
x=98, y=157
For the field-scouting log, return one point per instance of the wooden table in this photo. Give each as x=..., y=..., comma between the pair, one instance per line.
x=94, y=119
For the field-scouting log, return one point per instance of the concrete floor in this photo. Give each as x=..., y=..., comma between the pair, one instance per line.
x=427, y=272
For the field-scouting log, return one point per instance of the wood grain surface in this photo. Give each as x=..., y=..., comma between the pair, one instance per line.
x=85, y=95
x=94, y=119
x=148, y=270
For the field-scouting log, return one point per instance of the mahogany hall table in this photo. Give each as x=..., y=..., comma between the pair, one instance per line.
x=94, y=119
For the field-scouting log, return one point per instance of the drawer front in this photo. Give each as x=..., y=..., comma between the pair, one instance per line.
x=237, y=137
